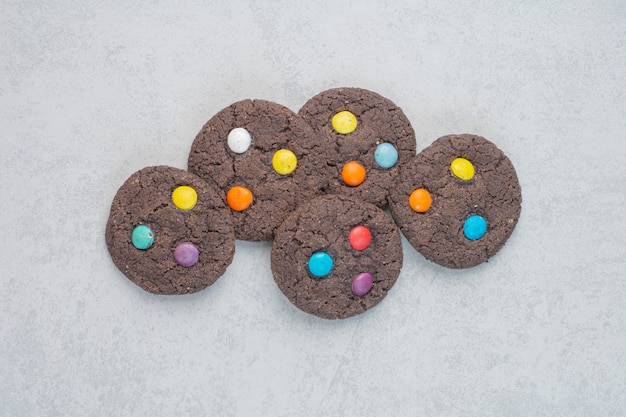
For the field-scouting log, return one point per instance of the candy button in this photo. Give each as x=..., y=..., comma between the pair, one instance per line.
x=353, y=173
x=362, y=284
x=344, y=122
x=142, y=237
x=239, y=198
x=474, y=227
x=320, y=264
x=420, y=200
x=462, y=168
x=360, y=237
x=386, y=155
x=186, y=254
x=239, y=140
x=284, y=161
x=184, y=197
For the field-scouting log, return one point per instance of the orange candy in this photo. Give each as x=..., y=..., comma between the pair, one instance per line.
x=353, y=173
x=420, y=200
x=239, y=198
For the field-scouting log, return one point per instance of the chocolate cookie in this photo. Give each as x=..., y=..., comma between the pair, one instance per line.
x=458, y=201
x=169, y=231
x=266, y=160
x=370, y=138
x=336, y=256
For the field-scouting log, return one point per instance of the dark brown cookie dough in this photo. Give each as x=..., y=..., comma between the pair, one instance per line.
x=272, y=127
x=378, y=121
x=325, y=224
x=493, y=193
x=145, y=200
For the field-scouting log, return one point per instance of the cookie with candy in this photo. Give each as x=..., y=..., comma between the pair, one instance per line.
x=169, y=231
x=458, y=201
x=265, y=159
x=336, y=256
x=370, y=138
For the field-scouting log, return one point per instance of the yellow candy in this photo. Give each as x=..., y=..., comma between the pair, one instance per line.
x=462, y=168
x=284, y=161
x=344, y=122
x=184, y=197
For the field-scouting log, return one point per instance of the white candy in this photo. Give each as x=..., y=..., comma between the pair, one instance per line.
x=239, y=140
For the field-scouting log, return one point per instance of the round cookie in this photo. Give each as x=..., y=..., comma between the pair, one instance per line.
x=370, y=138
x=336, y=257
x=169, y=231
x=458, y=201
x=265, y=159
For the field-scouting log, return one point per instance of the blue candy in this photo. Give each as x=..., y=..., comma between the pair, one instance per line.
x=386, y=155
x=475, y=227
x=142, y=237
x=320, y=264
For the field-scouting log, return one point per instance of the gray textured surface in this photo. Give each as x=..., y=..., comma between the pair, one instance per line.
x=92, y=91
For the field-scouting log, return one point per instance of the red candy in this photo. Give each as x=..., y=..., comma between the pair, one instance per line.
x=360, y=237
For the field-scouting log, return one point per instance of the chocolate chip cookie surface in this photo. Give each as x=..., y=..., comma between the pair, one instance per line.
x=458, y=201
x=169, y=231
x=371, y=138
x=265, y=159
x=336, y=256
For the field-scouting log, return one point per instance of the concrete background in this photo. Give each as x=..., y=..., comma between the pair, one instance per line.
x=92, y=91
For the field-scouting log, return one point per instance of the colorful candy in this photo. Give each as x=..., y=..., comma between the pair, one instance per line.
x=344, y=122
x=186, y=254
x=142, y=237
x=320, y=264
x=353, y=173
x=420, y=200
x=284, y=161
x=475, y=227
x=462, y=168
x=239, y=140
x=239, y=198
x=386, y=155
x=362, y=284
x=184, y=197
x=360, y=237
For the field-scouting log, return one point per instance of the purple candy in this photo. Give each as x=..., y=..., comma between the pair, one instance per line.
x=362, y=284
x=186, y=254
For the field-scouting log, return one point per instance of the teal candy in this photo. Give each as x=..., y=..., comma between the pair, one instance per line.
x=320, y=264
x=142, y=237
x=475, y=227
x=386, y=155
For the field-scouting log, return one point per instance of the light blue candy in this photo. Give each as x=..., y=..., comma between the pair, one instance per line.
x=475, y=227
x=320, y=264
x=142, y=237
x=386, y=155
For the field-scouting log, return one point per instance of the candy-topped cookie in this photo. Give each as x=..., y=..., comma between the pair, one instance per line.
x=169, y=231
x=336, y=256
x=265, y=159
x=458, y=201
x=370, y=138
